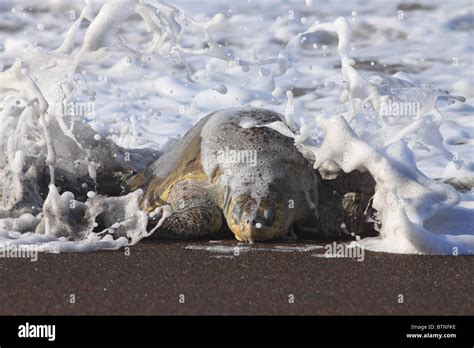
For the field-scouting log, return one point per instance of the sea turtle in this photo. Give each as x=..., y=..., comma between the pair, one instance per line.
x=230, y=169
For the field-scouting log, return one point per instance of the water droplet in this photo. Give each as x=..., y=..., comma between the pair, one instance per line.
x=220, y=89
x=264, y=72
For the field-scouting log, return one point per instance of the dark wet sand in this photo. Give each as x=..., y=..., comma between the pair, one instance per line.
x=151, y=279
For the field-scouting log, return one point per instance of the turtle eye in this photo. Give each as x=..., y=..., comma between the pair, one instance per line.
x=269, y=215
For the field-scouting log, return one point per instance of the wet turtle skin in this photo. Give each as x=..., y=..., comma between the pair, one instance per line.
x=232, y=172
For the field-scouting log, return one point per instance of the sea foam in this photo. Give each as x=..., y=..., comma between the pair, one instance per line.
x=345, y=122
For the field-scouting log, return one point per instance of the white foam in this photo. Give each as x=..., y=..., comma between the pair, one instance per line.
x=237, y=250
x=144, y=100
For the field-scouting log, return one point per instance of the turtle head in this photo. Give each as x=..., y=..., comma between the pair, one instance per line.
x=259, y=219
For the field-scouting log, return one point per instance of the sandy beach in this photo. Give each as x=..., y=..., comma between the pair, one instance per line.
x=262, y=280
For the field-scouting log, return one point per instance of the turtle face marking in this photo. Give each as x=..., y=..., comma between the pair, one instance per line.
x=256, y=220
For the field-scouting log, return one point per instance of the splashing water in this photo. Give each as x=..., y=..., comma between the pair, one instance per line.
x=387, y=125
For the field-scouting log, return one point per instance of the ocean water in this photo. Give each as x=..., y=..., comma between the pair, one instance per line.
x=270, y=54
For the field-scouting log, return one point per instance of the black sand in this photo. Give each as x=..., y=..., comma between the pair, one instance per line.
x=151, y=279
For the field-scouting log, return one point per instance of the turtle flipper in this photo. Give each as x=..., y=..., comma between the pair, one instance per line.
x=345, y=208
x=197, y=220
x=346, y=204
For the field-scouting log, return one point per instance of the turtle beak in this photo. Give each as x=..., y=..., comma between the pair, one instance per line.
x=245, y=231
x=254, y=230
x=250, y=231
x=250, y=222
